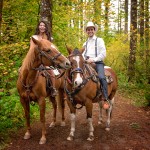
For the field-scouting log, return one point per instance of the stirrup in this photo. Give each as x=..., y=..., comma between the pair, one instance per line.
x=107, y=100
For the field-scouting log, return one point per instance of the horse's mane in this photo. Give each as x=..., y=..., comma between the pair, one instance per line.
x=30, y=57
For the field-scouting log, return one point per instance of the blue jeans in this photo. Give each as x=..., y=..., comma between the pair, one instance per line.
x=102, y=78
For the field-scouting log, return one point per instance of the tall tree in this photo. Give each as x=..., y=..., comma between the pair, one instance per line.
x=133, y=40
x=119, y=16
x=147, y=37
x=107, y=5
x=1, y=7
x=98, y=13
x=142, y=27
x=126, y=16
x=46, y=12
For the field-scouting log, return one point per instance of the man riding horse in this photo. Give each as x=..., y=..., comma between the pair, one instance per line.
x=95, y=52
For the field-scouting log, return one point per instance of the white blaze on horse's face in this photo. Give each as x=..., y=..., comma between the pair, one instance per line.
x=78, y=79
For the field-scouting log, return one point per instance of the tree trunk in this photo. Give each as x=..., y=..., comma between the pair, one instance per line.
x=107, y=4
x=133, y=40
x=147, y=37
x=126, y=16
x=1, y=7
x=97, y=13
x=46, y=12
x=142, y=28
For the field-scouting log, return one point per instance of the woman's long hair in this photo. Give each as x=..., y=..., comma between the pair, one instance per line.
x=37, y=31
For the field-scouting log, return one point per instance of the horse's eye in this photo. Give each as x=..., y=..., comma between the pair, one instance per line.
x=48, y=51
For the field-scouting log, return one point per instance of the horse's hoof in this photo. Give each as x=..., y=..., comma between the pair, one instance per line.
x=70, y=138
x=90, y=138
x=27, y=136
x=52, y=125
x=63, y=124
x=107, y=129
x=42, y=141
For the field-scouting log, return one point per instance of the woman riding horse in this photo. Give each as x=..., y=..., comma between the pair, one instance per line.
x=42, y=33
x=31, y=83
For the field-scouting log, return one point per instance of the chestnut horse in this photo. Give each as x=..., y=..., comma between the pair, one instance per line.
x=83, y=87
x=31, y=83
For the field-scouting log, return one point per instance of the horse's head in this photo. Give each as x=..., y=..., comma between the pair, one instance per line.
x=77, y=65
x=49, y=54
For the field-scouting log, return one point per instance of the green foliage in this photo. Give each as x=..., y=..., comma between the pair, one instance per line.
x=11, y=57
x=147, y=94
x=19, y=20
x=117, y=53
x=138, y=92
x=12, y=113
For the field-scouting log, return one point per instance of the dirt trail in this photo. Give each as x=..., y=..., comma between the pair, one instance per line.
x=130, y=130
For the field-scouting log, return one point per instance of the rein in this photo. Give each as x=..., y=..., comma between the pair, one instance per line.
x=43, y=68
x=52, y=59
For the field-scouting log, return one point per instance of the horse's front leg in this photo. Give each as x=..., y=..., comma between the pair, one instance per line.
x=54, y=103
x=109, y=113
x=100, y=121
x=26, y=107
x=89, y=107
x=42, y=105
x=61, y=102
x=72, y=118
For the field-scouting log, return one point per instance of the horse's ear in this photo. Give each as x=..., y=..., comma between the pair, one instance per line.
x=82, y=49
x=35, y=40
x=69, y=49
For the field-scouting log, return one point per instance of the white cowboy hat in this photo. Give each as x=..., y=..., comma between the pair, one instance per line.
x=91, y=24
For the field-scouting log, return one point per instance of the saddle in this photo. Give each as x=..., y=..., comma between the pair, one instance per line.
x=47, y=75
x=108, y=75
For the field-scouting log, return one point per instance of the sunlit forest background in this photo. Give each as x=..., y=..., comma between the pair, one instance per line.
x=123, y=24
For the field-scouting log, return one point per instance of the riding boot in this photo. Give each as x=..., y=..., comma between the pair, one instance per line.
x=104, y=88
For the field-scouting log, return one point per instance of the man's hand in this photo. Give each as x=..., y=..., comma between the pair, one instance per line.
x=90, y=60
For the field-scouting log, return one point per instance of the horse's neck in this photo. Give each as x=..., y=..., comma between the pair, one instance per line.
x=29, y=74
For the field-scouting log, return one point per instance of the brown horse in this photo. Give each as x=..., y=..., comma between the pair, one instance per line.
x=31, y=83
x=83, y=87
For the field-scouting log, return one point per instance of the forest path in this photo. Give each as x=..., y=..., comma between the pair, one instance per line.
x=130, y=130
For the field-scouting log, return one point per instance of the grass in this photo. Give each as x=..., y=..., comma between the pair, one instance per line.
x=12, y=115
x=138, y=92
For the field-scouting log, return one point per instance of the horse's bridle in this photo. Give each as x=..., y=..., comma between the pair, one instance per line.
x=76, y=70
x=52, y=59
